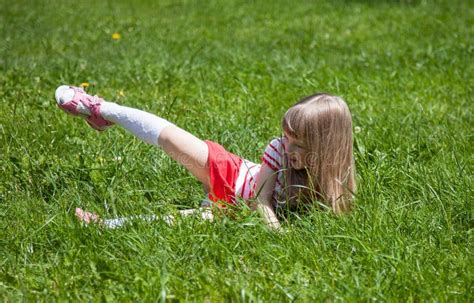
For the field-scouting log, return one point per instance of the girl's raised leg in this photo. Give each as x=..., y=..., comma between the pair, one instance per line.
x=188, y=150
x=182, y=146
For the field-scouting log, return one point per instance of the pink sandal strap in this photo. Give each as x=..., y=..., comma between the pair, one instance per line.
x=95, y=120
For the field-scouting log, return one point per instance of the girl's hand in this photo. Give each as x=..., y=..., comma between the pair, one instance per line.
x=269, y=216
x=264, y=191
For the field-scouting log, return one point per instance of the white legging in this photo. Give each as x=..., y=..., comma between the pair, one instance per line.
x=205, y=214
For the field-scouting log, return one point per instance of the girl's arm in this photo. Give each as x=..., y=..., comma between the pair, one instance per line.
x=264, y=190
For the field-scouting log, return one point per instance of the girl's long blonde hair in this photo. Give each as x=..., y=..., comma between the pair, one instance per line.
x=324, y=123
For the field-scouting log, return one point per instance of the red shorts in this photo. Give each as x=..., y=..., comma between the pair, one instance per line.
x=224, y=169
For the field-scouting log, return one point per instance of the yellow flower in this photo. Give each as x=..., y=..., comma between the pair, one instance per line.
x=84, y=84
x=116, y=36
x=121, y=93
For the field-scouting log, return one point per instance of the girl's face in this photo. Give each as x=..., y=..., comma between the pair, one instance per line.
x=296, y=151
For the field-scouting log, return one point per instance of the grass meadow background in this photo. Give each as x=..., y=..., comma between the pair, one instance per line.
x=227, y=71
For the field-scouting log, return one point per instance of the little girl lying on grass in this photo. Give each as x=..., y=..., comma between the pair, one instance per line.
x=312, y=163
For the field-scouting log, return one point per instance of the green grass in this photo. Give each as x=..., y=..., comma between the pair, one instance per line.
x=223, y=70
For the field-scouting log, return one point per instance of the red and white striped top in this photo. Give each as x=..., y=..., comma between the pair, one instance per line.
x=247, y=179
